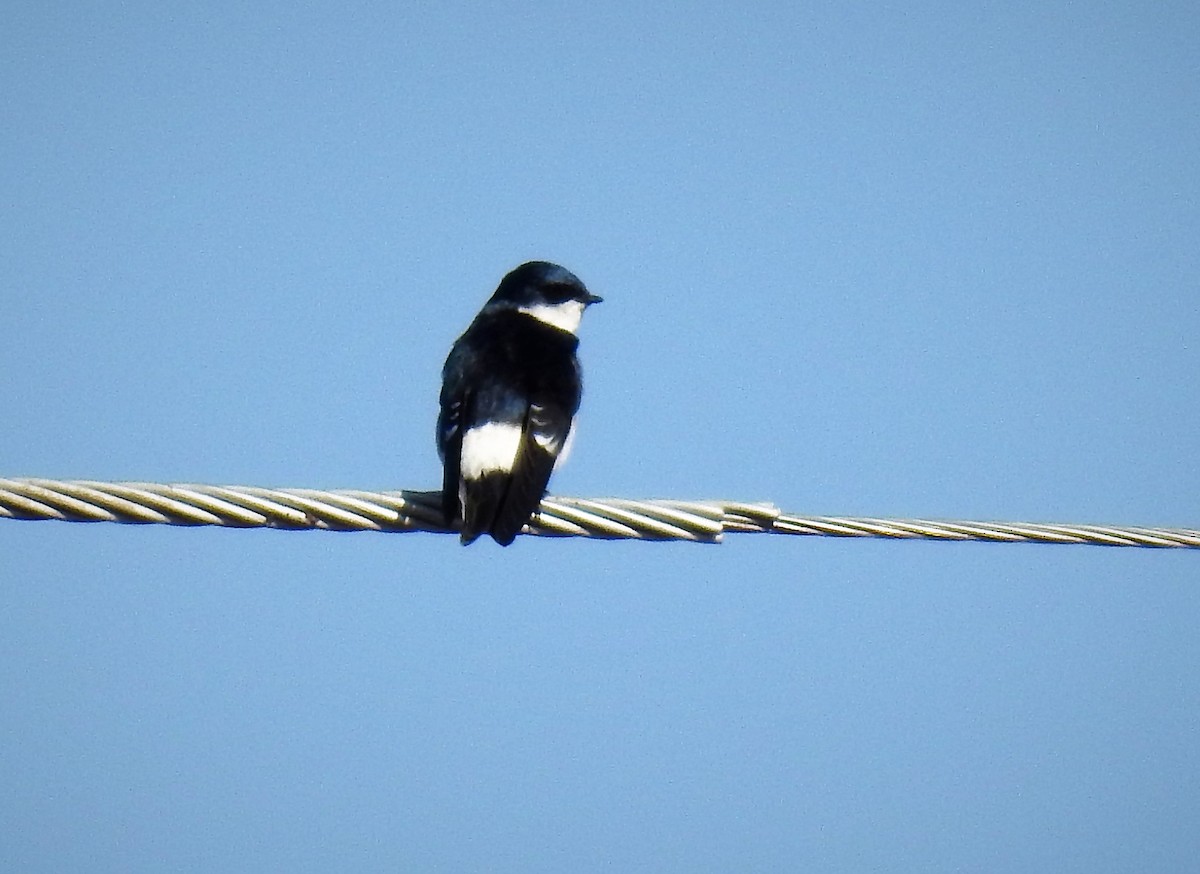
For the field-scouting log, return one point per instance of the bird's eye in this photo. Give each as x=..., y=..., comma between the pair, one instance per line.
x=560, y=291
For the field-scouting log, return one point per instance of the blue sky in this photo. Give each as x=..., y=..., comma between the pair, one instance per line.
x=929, y=260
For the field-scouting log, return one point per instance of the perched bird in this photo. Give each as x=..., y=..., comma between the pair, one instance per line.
x=510, y=390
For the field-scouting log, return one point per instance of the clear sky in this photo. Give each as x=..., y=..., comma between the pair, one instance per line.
x=933, y=259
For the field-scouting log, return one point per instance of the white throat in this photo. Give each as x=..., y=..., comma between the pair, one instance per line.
x=565, y=316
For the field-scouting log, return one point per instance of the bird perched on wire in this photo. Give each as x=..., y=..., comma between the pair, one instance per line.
x=510, y=390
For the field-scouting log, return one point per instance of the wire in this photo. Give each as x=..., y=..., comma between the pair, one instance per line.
x=604, y=519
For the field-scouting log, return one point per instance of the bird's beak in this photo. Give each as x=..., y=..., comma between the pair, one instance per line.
x=593, y=298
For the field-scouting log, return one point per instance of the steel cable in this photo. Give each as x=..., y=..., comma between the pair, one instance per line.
x=600, y=518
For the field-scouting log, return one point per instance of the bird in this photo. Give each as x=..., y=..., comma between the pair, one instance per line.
x=511, y=387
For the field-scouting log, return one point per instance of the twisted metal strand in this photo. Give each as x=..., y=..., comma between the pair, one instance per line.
x=607, y=519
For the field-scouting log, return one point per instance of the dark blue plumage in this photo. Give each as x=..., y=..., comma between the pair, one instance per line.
x=510, y=389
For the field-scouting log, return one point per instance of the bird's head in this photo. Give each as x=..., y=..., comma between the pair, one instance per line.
x=547, y=292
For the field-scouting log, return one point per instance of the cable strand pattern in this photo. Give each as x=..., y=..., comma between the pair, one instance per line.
x=600, y=518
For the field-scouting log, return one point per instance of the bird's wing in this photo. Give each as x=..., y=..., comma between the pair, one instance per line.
x=543, y=435
x=454, y=406
x=450, y=448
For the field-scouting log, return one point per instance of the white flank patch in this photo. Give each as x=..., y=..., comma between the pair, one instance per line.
x=565, y=316
x=489, y=448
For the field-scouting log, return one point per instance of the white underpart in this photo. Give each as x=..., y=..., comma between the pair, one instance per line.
x=565, y=316
x=489, y=448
